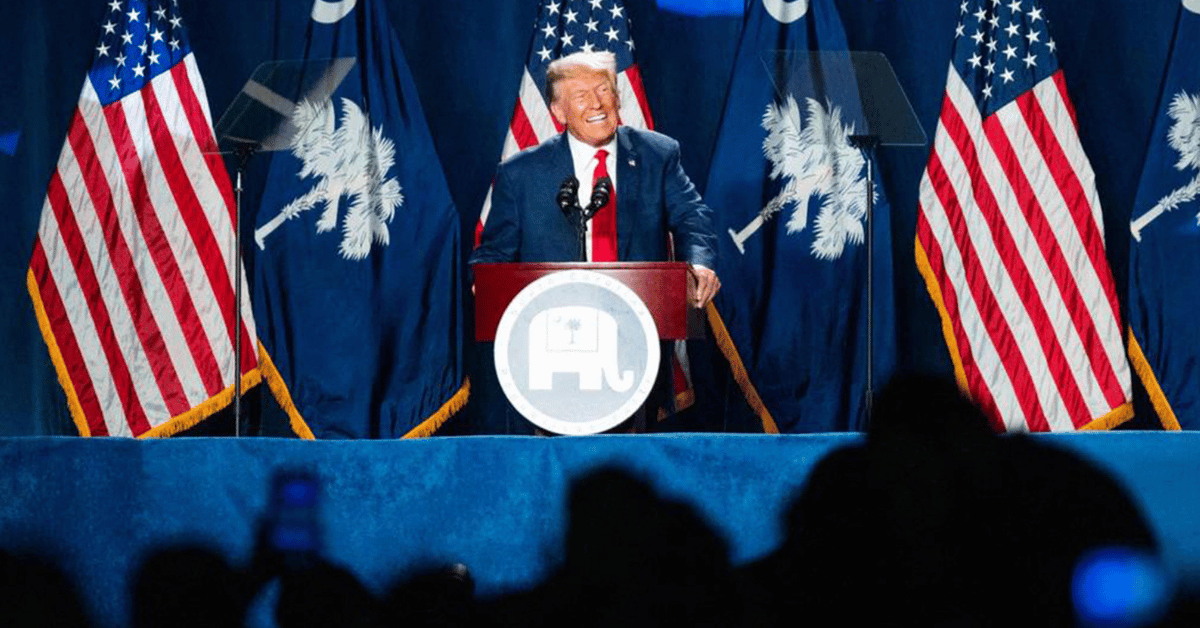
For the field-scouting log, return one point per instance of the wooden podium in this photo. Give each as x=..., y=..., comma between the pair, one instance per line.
x=665, y=288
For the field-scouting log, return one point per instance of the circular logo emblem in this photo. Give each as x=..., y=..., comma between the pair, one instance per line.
x=576, y=352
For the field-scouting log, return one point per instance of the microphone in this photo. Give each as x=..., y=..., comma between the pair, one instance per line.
x=601, y=192
x=568, y=194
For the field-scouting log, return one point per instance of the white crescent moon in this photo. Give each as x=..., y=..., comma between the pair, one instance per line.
x=1192, y=5
x=788, y=11
x=331, y=12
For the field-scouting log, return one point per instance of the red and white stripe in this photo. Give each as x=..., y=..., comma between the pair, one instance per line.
x=133, y=261
x=1010, y=223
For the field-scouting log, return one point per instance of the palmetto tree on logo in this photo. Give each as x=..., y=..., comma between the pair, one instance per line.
x=573, y=325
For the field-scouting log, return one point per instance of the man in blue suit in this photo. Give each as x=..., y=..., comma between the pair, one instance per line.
x=653, y=195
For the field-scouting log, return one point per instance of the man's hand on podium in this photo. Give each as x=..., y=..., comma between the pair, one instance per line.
x=707, y=285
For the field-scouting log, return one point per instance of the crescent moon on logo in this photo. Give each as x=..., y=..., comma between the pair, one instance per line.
x=331, y=12
x=788, y=11
x=1192, y=5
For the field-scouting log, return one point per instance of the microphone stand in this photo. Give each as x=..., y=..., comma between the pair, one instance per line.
x=581, y=219
x=568, y=202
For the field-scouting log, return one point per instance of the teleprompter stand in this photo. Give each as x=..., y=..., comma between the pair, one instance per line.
x=260, y=120
x=864, y=87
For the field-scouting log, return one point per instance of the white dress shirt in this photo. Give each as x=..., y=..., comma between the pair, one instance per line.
x=584, y=157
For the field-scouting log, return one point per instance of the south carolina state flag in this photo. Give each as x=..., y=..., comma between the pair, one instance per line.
x=1164, y=254
x=789, y=194
x=358, y=270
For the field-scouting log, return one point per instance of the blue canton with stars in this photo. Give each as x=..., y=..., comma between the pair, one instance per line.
x=579, y=26
x=1002, y=50
x=139, y=41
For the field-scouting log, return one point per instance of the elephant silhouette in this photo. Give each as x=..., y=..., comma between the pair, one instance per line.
x=575, y=339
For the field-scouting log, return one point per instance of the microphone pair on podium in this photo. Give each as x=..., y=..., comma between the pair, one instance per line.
x=568, y=196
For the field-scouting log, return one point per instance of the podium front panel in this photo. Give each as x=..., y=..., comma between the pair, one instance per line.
x=663, y=286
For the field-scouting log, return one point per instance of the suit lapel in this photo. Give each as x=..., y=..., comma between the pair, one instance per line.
x=564, y=165
x=546, y=189
x=628, y=183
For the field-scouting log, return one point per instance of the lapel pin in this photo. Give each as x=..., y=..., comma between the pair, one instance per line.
x=632, y=162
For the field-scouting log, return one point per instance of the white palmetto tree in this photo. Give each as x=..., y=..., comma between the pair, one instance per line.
x=816, y=159
x=1184, y=137
x=349, y=160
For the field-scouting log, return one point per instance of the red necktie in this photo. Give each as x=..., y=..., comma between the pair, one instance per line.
x=604, y=223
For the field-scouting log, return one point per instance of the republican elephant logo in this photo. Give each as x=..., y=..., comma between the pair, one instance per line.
x=575, y=339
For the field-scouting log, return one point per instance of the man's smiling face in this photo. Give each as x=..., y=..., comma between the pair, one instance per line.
x=587, y=105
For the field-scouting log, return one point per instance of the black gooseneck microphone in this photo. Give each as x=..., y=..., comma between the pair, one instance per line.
x=568, y=202
x=601, y=192
x=568, y=194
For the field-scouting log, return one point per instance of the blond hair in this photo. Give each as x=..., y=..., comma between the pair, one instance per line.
x=578, y=63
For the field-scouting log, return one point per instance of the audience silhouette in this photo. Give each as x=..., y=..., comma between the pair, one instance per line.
x=632, y=558
x=936, y=521
x=931, y=520
x=189, y=586
x=36, y=593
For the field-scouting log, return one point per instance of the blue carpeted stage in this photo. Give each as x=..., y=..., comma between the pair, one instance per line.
x=98, y=507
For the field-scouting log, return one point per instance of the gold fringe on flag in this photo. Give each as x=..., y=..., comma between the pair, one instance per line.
x=173, y=426
x=1158, y=399
x=428, y=427
x=431, y=425
x=721, y=335
x=1115, y=417
x=282, y=396
x=214, y=404
x=60, y=367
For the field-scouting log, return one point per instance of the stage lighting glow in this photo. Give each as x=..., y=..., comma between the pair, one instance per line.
x=1119, y=587
x=8, y=142
x=703, y=8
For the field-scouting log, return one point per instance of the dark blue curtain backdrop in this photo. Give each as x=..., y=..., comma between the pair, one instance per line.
x=466, y=58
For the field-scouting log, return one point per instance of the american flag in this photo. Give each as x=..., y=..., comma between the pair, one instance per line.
x=1010, y=237
x=131, y=273
x=562, y=28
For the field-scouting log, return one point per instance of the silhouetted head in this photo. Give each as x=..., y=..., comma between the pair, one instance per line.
x=189, y=586
x=926, y=406
x=36, y=593
x=635, y=558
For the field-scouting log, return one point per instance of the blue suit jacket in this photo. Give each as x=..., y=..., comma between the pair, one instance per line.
x=654, y=197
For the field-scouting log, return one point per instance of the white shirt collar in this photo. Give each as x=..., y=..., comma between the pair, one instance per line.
x=583, y=158
x=583, y=153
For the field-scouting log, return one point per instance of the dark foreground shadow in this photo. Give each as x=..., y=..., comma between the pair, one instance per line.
x=935, y=521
